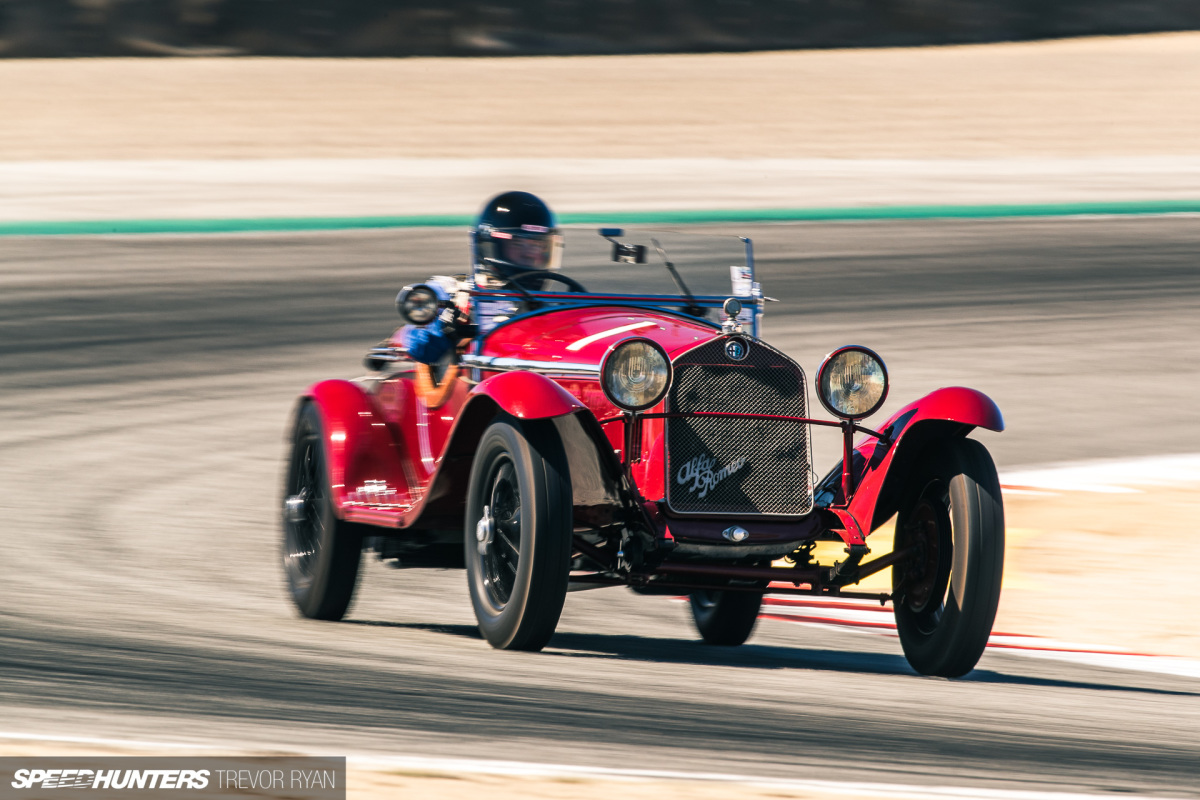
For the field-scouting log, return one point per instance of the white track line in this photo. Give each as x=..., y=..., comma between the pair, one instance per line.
x=100, y=741
x=524, y=769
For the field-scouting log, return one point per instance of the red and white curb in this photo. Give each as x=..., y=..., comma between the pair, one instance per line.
x=868, y=616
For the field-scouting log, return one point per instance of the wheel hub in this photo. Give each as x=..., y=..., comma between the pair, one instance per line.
x=498, y=534
x=485, y=531
x=923, y=568
x=296, y=507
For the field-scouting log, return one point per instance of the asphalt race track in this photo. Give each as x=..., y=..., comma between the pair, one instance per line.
x=145, y=388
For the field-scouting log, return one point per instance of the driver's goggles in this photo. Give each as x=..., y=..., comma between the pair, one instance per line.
x=525, y=248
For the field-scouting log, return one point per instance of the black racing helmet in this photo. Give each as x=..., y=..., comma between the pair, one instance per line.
x=517, y=232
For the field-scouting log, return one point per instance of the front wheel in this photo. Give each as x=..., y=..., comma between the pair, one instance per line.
x=946, y=593
x=518, y=533
x=321, y=553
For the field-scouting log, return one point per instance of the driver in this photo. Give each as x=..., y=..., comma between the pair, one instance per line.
x=515, y=237
x=516, y=234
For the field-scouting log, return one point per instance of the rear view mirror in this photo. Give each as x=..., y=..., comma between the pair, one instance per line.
x=629, y=253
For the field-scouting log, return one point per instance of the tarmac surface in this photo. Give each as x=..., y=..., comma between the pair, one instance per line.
x=147, y=383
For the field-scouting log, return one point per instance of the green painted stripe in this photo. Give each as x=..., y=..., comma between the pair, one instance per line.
x=135, y=226
x=895, y=212
x=124, y=226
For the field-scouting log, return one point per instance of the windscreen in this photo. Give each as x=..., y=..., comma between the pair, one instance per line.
x=633, y=262
x=606, y=261
x=605, y=264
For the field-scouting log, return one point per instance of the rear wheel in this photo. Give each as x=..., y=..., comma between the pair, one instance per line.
x=321, y=553
x=947, y=592
x=725, y=618
x=518, y=533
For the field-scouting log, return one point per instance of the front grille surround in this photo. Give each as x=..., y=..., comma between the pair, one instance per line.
x=742, y=467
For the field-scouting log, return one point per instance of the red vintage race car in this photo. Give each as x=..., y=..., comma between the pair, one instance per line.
x=570, y=438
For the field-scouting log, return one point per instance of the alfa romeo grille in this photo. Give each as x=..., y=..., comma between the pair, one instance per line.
x=723, y=465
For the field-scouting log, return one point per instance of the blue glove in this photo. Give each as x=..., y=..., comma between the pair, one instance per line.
x=427, y=344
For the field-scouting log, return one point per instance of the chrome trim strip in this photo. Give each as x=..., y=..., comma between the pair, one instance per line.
x=606, y=298
x=379, y=506
x=504, y=364
x=387, y=354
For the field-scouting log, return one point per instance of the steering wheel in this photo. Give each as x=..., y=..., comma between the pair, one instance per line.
x=533, y=275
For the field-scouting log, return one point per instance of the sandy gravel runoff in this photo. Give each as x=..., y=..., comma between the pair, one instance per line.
x=1094, y=568
x=366, y=781
x=1084, y=97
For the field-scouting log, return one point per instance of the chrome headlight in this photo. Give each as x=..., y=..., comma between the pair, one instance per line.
x=852, y=382
x=419, y=304
x=635, y=374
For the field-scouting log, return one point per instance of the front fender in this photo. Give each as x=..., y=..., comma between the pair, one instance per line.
x=595, y=473
x=528, y=395
x=880, y=470
x=361, y=452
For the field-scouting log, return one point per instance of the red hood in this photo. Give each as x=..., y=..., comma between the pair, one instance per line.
x=583, y=335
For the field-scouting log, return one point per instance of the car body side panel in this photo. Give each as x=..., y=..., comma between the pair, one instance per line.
x=432, y=427
x=591, y=395
x=364, y=459
x=650, y=473
x=881, y=469
x=396, y=463
x=443, y=502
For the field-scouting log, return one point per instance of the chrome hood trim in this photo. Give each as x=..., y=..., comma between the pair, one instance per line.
x=506, y=364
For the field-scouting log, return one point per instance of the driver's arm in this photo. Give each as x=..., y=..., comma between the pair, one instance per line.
x=428, y=343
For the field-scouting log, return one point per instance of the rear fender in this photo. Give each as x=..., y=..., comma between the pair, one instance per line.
x=362, y=455
x=881, y=469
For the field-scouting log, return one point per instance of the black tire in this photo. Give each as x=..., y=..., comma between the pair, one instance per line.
x=946, y=595
x=517, y=574
x=321, y=553
x=725, y=618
